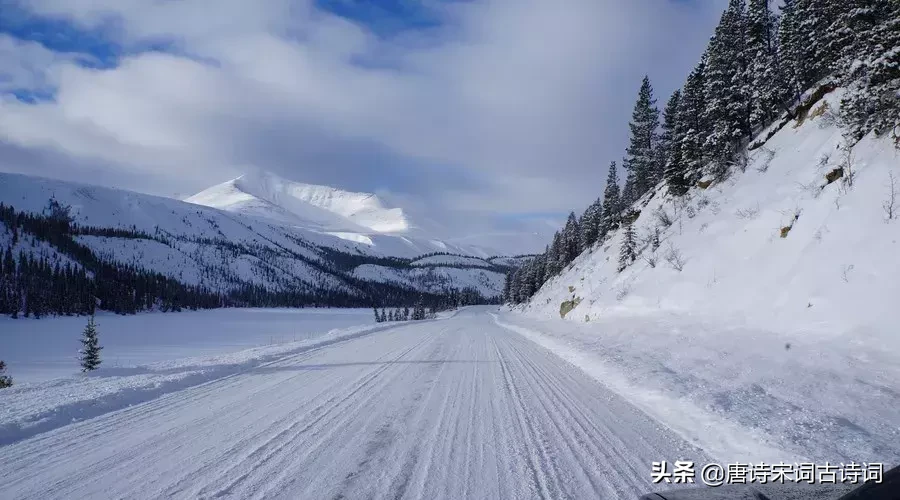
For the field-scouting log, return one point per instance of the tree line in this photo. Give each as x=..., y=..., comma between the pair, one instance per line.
x=760, y=67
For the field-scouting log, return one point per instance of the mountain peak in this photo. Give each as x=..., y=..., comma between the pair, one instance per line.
x=265, y=194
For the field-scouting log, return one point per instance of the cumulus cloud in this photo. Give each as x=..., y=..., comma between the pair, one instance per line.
x=504, y=106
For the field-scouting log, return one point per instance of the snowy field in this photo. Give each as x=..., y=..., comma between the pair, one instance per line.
x=40, y=350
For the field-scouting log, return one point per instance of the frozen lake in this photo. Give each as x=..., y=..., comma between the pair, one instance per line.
x=38, y=350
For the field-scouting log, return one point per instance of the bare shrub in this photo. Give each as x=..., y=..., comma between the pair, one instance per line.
x=748, y=213
x=663, y=217
x=650, y=260
x=848, y=162
x=890, y=205
x=690, y=211
x=675, y=258
x=622, y=291
x=845, y=273
x=824, y=160
x=768, y=155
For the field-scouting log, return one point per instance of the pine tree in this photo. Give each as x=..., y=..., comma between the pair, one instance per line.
x=763, y=77
x=590, y=224
x=90, y=351
x=629, y=192
x=612, y=205
x=727, y=105
x=789, y=51
x=570, y=239
x=691, y=127
x=377, y=316
x=872, y=101
x=627, y=252
x=641, y=160
x=670, y=147
x=5, y=380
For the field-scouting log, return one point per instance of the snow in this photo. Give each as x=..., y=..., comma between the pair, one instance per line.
x=40, y=350
x=793, y=337
x=453, y=408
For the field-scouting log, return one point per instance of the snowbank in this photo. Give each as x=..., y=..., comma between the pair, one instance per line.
x=738, y=392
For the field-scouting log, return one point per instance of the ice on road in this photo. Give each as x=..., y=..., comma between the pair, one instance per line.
x=456, y=408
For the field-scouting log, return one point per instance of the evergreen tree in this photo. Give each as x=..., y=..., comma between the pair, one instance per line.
x=628, y=250
x=570, y=239
x=590, y=224
x=406, y=314
x=789, y=51
x=377, y=316
x=670, y=147
x=763, y=77
x=872, y=101
x=629, y=192
x=691, y=127
x=727, y=105
x=612, y=205
x=507, y=287
x=641, y=160
x=90, y=351
x=5, y=380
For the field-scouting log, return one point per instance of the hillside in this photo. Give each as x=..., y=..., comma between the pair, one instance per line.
x=776, y=245
x=262, y=260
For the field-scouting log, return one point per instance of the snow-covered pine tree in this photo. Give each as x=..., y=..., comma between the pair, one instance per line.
x=90, y=351
x=553, y=266
x=506, y=288
x=612, y=204
x=629, y=193
x=670, y=147
x=727, y=106
x=406, y=314
x=628, y=251
x=872, y=101
x=570, y=239
x=590, y=224
x=391, y=315
x=809, y=48
x=5, y=380
x=641, y=159
x=377, y=316
x=691, y=127
x=790, y=51
x=763, y=79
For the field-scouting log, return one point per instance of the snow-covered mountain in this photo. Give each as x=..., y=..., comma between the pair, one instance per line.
x=264, y=194
x=244, y=243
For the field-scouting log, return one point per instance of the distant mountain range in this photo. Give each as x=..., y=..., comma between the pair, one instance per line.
x=255, y=231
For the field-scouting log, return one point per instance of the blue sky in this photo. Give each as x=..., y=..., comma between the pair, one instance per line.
x=496, y=113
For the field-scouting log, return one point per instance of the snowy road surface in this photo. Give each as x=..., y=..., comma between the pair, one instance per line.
x=455, y=408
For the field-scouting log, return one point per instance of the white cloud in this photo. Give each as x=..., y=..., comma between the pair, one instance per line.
x=526, y=100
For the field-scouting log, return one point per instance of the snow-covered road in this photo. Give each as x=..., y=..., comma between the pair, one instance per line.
x=455, y=408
